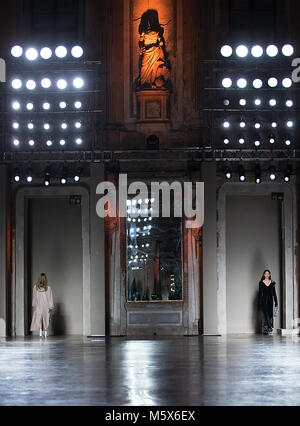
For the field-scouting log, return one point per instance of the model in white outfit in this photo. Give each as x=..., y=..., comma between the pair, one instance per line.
x=42, y=302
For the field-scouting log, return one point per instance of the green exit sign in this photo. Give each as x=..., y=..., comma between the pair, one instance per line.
x=277, y=196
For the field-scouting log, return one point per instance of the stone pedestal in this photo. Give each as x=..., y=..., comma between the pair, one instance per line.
x=153, y=108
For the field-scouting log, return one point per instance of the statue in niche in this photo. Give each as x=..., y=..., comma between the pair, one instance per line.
x=154, y=64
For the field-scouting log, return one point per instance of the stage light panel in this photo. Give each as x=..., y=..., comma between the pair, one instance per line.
x=17, y=51
x=46, y=53
x=61, y=52
x=31, y=54
x=272, y=50
x=242, y=83
x=78, y=82
x=46, y=83
x=242, y=51
x=77, y=52
x=288, y=50
x=257, y=83
x=16, y=84
x=227, y=83
x=257, y=51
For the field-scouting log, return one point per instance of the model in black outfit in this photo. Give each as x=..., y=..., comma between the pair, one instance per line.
x=266, y=295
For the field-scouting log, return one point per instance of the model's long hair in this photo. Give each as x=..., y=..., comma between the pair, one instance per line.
x=263, y=275
x=42, y=282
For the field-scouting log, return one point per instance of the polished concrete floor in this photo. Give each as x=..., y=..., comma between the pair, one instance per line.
x=234, y=370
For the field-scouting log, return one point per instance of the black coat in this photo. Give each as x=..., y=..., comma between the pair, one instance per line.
x=265, y=298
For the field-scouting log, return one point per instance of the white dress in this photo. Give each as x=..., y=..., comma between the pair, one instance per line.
x=42, y=302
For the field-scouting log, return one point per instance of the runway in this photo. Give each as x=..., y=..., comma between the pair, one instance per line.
x=240, y=370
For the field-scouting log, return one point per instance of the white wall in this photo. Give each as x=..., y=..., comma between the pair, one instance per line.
x=252, y=245
x=55, y=248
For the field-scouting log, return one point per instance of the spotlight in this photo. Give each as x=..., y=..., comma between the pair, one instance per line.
x=30, y=126
x=274, y=124
x=17, y=175
x=288, y=173
x=29, y=175
x=272, y=82
x=271, y=139
x=16, y=84
x=257, y=125
x=290, y=123
x=242, y=51
x=29, y=106
x=61, y=52
x=46, y=83
x=47, y=177
x=257, y=173
x=78, y=141
x=78, y=83
x=241, y=139
x=16, y=142
x=289, y=103
x=227, y=172
x=17, y=51
x=16, y=105
x=257, y=142
x=64, y=126
x=46, y=53
x=226, y=102
x=242, y=175
x=257, y=51
x=242, y=124
x=287, y=82
x=287, y=50
x=226, y=51
x=226, y=141
x=78, y=105
x=31, y=142
x=78, y=174
x=78, y=125
x=227, y=82
x=46, y=105
x=62, y=84
x=31, y=54
x=46, y=126
x=257, y=102
x=272, y=50
x=16, y=125
x=226, y=124
x=62, y=142
x=242, y=83
x=272, y=102
x=49, y=143
x=257, y=83
x=62, y=105
x=288, y=142
x=272, y=173
x=31, y=84
x=243, y=102
x=64, y=178
x=77, y=51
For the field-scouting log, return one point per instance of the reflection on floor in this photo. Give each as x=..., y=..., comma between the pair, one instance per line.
x=232, y=370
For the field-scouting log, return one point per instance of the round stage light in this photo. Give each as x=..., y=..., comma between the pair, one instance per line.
x=242, y=51
x=46, y=83
x=62, y=105
x=272, y=82
x=29, y=175
x=242, y=102
x=289, y=103
x=62, y=84
x=290, y=123
x=242, y=124
x=29, y=106
x=257, y=51
x=272, y=50
x=78, y=141
x=46, y=53
x=274, y=124
x=242, y=83
x=31, y=142
x=241, y=141
x=288, y=142
x=46, y=105
x=257, y=142
x=31, y=84
x=242, y=175
x=272, y=102
x=257, y=125
x=271, y=139
x=226, y=141
x=257, y=102
x=78, y=125
x=16, y=83
x=257, y=83
x=16, y=105
x=272, y=173
x=227, y=82
x=16, y=125
x=31, y=54
x=288, y=50
x=64, y=126
x=49, y=143
x=78, y=82
x=17, y=51
x=226, y=102
x=78, y=105
x=17, y=175
x=16, y=142
x=46, y=126
x=226, y=124
x=287, y=82
x=62, y=142
x=30, y=126
x=77, y=51
x=61, y=52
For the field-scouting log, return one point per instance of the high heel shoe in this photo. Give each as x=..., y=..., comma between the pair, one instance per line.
x=41, y=333
x=45, y=334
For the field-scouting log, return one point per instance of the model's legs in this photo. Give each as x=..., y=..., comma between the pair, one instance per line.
x=41, y=327
x=265, y=322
